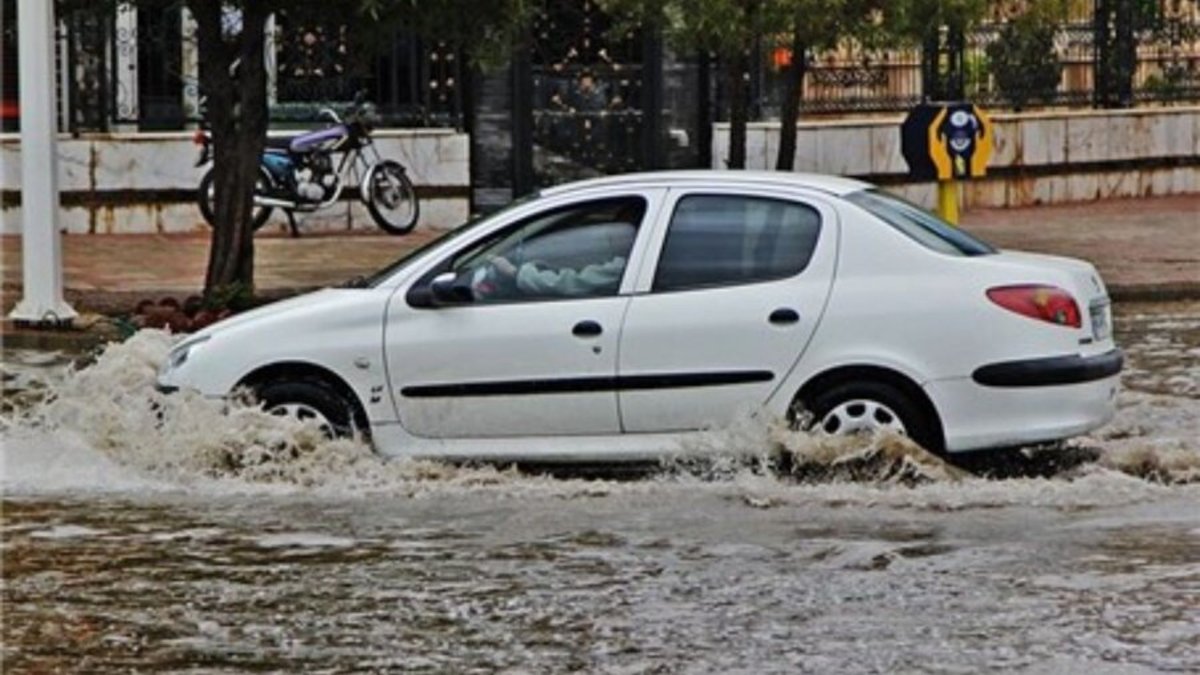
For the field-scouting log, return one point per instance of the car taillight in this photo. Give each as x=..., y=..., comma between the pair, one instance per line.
x=199, y=138
x=1047, y=303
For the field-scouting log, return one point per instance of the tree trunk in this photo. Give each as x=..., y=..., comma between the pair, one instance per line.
x=234, y=84
x=793, y=90
x=738, y=109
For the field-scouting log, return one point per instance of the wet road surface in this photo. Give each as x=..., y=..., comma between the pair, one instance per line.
x=218, y=544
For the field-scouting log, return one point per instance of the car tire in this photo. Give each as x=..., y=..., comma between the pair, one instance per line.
x=870, y=405
x=311, y=398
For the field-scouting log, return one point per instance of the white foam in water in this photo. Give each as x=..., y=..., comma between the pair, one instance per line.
x=66, y=532
x=105, y=428
x=303, y=540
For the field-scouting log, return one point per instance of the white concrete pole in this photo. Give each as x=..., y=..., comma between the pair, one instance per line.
x=41, y=243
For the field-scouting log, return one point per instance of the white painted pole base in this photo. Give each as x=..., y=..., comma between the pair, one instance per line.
x=41, y=241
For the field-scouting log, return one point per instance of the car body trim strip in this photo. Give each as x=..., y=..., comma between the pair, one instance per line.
x=573, y=385
x=1055, y=370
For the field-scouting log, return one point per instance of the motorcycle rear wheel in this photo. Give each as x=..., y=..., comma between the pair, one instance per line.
x=205, y=200
x=391, y=198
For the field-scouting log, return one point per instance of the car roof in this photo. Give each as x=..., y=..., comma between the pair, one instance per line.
x=834, y=185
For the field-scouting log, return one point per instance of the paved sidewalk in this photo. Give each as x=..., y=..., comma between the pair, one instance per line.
x=112, y=273
x=1145, y=248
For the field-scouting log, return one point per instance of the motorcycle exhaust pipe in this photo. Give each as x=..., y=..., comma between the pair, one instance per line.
x=275, y=203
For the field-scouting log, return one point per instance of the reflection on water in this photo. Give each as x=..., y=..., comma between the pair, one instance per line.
x=211, y=540
x=1162, y=346
x=680, y=581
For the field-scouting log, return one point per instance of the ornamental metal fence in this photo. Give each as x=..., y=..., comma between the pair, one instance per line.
x=124, y=68
x=1104, y=53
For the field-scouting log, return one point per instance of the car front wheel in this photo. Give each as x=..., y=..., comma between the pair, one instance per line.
x=310, y=399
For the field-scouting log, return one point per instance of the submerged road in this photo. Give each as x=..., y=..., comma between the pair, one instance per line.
x=218, y=543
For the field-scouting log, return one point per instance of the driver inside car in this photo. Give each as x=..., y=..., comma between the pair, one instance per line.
x=536, y=279
x=578, y=253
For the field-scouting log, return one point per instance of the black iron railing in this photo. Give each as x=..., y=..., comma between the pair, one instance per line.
x=126, y=68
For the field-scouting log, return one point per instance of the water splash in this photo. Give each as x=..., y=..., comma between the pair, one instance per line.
x=104, y=427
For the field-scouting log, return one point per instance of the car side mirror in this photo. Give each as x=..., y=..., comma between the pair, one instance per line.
x=447, y=290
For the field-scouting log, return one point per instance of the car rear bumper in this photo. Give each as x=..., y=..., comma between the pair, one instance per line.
x=976, y=416
x=1052, y=371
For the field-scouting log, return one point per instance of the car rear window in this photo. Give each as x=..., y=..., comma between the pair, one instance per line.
x=721, y=240
x=920, y=225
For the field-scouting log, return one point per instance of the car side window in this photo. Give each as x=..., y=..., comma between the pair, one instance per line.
x=576, y=251
x=721, y=240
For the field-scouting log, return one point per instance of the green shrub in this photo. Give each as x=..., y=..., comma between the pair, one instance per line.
x=1024, y=61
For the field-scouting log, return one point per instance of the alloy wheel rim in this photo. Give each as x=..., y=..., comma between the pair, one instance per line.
x=302, y=412
x=861, y=416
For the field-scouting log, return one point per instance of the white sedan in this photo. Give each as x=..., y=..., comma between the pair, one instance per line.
x=612, y=318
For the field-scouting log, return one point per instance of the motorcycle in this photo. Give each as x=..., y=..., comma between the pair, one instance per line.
x=298, y=174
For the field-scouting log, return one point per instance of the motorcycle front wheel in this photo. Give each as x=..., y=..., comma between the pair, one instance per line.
x=206, y=199
x=391, y=198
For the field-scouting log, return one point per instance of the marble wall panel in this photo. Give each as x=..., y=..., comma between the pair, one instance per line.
x=985, y=193
x=1043, y=141
x=10, y=220
x=75, y=220
x=1119, y=184
x=1195, y=134
x=179, y=218
x=771, y=149
x=756, y=148
x=1083, y=187
x=1174, y=136
x=844, y=151
x=1008, y=141
x=720, y=146
x=1087, y=139
x=1185, y=180
x=10, y=165
x=807, y=158
x=1157, y=183
x=886, y=157
x=1131, y=136
x=126, y=164
x=922, y=194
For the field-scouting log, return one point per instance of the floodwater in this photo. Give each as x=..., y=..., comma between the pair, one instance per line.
x=219, y=542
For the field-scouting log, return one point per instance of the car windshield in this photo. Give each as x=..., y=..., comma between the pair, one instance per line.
x=919, y=224
x=400, y=263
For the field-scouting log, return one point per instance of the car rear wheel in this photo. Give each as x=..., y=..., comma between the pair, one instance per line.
x=869, y=407
x=310, y=399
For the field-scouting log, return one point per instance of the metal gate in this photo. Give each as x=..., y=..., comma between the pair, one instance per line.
x=587, y=102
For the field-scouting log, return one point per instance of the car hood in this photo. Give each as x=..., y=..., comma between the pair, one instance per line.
x=307, y=302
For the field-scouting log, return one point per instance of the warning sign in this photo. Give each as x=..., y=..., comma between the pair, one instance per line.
x=946, y=141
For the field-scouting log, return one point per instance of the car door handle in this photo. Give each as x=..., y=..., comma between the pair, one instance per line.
x=587, y=328
x=784, y=316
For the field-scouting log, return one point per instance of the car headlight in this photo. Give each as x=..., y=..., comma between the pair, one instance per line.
x=179, y=355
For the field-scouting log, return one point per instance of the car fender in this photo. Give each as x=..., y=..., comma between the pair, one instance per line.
x=336, y=330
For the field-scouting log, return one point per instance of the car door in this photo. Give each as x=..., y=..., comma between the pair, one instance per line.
x=534, y=352
x=738, y=287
